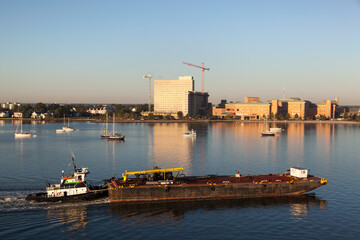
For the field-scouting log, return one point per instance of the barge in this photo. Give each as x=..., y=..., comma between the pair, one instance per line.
x=162, y=185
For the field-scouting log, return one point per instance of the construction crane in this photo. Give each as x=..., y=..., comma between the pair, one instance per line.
x=202, y=69
x=149, y=77
x=164, y=170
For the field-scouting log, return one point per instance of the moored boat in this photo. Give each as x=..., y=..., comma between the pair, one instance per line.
x=22, y=134
x=268, y=134
x=65, y=128
x=190, y=133
x=276, y=130
x=161, y=185
x=72, y=187
x=113, y=135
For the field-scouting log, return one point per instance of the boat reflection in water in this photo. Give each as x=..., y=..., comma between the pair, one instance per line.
x=298, y=206
x=72, y=218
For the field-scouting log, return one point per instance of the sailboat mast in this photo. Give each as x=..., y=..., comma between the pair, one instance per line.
x=114, y=124
x=107, y=120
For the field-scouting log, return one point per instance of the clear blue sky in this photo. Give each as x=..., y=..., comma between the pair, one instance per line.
x=98, y=51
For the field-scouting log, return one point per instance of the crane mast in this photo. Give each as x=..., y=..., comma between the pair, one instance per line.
x=149, y=77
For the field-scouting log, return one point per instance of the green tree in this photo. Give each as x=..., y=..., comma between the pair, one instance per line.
x=151, y=116
x=59, y=112
x=287, y=117
x=272, y=116
x=296, y=116
x=40, y=107
x=357, y=117
x=281, y=117
x=180, y=115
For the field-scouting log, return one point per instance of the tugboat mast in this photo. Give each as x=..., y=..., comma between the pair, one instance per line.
x=73, y=159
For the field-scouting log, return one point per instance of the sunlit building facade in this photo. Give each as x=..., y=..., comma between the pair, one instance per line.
x=293, y=108
x=173, y=96
x=327, y=108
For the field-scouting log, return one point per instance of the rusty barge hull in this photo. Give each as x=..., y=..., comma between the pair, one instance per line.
x=232, y=188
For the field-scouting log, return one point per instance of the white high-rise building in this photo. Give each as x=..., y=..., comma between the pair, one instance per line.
x=173, y=96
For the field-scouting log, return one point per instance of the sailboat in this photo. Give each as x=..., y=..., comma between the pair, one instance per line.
x=267, y=133
x=65, y=128
x=21, y=134
x=276, y=129
x=113, y=135
x=106, y=132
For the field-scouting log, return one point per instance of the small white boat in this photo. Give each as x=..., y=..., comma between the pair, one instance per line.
x=268, y=134
x=65, y=128
x=276, y=130
x=21, y=134
x=190, y=133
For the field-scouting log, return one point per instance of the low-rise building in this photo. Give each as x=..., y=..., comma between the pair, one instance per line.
x=294, y=108
x=18, y=115
x=327, y=108
x=100, y=110
x=4, y=114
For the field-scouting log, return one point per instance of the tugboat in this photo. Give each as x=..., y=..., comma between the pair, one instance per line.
x=72, y=187
x=161, y=185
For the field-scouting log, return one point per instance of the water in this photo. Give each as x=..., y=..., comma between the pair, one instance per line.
x=329, y=212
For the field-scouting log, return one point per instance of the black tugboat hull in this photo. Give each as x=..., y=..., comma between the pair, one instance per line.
x=92, y=195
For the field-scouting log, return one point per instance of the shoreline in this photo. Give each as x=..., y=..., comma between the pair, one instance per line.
x=57, y=120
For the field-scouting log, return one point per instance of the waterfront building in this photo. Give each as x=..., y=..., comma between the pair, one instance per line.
x=173, y=96
x=251, y=109
x=297, y=108
x=327, y=108
x=10, y=105
x=294, y=108
x=18, y=115
x=5, y=114
x=100, y=111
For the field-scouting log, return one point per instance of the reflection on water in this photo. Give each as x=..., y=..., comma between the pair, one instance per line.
x=175, y=211
x=72, y=218
x=167, y=139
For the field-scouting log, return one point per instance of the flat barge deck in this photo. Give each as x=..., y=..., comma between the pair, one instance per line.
x=144, y=188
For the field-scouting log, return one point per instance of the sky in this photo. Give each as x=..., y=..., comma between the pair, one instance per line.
x=98, y=51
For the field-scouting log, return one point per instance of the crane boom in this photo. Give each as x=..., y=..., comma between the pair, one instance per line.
x=202, y=69
x=126, y=174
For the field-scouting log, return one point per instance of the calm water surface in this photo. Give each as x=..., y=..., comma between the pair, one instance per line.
x=329, y=212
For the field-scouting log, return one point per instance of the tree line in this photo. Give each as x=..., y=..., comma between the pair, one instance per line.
x=77, y=110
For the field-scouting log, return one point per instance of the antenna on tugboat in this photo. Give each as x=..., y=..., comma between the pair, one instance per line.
x=73, y=159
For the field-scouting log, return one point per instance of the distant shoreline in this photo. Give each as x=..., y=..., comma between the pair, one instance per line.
x=55, y=120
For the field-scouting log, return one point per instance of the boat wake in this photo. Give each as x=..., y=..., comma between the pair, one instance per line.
x=13, y=201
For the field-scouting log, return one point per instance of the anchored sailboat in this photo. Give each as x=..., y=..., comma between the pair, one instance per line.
x=65, y=128
x=113, y=135
x=267, y=133
x=21, y=134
